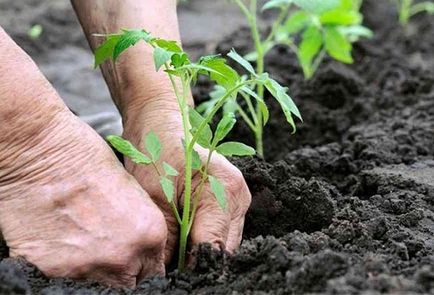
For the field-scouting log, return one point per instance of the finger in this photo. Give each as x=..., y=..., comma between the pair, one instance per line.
x=211, y=223
x=239, y=206
x=235, y=234
x=152, y=266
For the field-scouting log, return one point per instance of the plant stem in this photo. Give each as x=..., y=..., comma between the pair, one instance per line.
x=259, y=70
x=404, y=11
x=217, y=107
x=198, y=194
x=187, y=177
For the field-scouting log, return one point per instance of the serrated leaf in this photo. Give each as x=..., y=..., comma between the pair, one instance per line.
x=127, y=149
x=197, y=162
x=129, y=38
x=317, y=6
x=168, y=45
x=218, y=190
x=286, y=103
x=296, y=22
x=226, y=76
x=153, y=146
x=337, y=45
x=311, y=44
x=168, y=188
x=105, y=50
x=276, y=4
x=170, y=171
x=230, y=149
x=161, y=56
x=239, y=59
x=224, y=127
x=205, y=136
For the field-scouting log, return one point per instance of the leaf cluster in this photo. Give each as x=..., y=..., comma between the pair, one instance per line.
x=314, y=28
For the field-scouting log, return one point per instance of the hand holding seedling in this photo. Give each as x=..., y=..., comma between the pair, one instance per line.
x=163, y=131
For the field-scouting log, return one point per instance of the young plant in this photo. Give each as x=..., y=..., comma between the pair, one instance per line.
x=325, y=26
x=182, y=73
x=408, y=9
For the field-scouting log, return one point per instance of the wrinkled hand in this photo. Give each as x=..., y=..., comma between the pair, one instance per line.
x=223, y=229
x=69, y=207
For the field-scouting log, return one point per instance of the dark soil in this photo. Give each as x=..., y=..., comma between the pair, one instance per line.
x=346, y=205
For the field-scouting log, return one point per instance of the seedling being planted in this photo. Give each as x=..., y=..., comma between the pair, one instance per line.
x=197, y=130
x=407, y=9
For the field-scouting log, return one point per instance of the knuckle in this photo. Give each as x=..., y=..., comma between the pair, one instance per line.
x=152, y=235
x=240, y=192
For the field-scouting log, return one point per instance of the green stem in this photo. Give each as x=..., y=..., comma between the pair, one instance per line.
x=246, y=118
x=404, y=11
x=250, y=106
x=187, y=177
x=198, y=194
x=283, y=14
x=216, y=108
x=259, y=70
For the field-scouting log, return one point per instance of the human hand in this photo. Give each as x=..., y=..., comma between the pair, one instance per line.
x=223, y=229
x=69, y=207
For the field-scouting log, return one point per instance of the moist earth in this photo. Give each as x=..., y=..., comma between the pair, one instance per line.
x=345, y=205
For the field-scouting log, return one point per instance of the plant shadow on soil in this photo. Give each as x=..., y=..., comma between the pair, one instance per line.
x=343, y=206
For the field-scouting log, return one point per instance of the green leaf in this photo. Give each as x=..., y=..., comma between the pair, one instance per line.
x=276, y=4
x=337, y=45
x=130, y=38
x=197, y=162
x=205, y=136
x=153, y=146
x=224, y=127
x=105, y=50
x=168, y=188
x=239, y=59
x=296, y=22
x=317, y=6
x=287, y=104
x=353, y=33
x=161, y=56
x=219, y=191
x=230, y=149
x=168, y=45
x=225, y=76
x=170, y=171
x=310, y=46
x=340, y=17
x=179, y=59
x=127, y=149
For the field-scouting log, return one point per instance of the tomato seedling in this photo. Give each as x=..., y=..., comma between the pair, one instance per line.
x=182, y=73
x=324, y=27
x=407, y=9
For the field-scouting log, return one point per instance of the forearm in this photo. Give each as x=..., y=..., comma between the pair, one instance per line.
x=133, y=80
x=27, y=101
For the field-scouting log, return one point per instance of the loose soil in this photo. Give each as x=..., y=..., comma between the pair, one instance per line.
x=346, y=205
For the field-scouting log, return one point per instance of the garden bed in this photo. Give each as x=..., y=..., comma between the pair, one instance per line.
x=347, y=203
